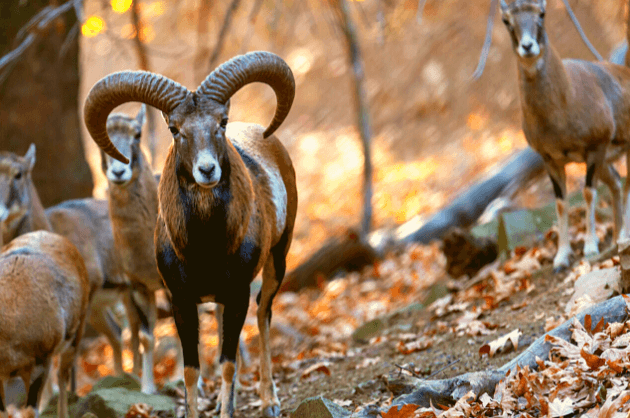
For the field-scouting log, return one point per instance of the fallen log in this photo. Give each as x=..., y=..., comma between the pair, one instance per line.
x=341, y=252
x=448, y=391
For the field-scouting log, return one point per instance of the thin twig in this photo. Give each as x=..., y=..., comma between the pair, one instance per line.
x=444, y=368
x=420, y=12
x=72, y=35
x=487, y=42
x=418, y=376
x=35, y=27
x=581, y=32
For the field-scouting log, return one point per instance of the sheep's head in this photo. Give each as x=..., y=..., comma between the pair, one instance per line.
x=15, y=180
x=198, y=128
x=197, y=119
x=524, y=20
x=125, y=133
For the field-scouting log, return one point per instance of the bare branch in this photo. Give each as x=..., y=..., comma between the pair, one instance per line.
x=363, y=117
x=581, y=32
x=420, y=12
x=487, y=42
x=143, y=63
x=36, y=27
x=73, y=33
x=202, y=39
x=227, y=21
x=250, y=25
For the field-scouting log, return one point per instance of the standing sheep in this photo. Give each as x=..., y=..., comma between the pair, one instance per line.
x=44, y=296
x=227, y=204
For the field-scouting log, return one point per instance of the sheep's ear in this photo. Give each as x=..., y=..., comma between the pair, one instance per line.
x=165, y=116
x=30, y=157
x=227, y=107
x=141, y=114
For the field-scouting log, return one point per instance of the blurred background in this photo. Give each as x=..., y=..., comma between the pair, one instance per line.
x=435, y=130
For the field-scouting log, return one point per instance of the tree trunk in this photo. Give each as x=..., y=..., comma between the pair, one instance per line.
x=349, y=252
x=39, y=103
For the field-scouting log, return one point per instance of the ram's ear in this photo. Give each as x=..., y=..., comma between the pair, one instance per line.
x=227, y=107
x=30, y=157
x=165, y=116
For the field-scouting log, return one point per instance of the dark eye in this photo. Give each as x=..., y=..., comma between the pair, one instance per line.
x=542, y=14
x=173, y=130
x=507, y=22
x=137, y=137
x=224, y=122
x=18, y=175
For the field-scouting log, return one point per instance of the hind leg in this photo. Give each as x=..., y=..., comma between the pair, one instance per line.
x=35, y=388
x=134, y=316
x=3, y=409
x=558, y=179
x=273, y=273
x=610, y=178
x=102, y=321
x=625, y=232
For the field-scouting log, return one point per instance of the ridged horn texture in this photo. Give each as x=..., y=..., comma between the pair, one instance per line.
x=241, y=70
x=127, y=86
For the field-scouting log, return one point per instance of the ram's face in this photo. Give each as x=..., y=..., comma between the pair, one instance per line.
x=524, y=20
x=15, y=180
x=198, y=128
x=125, y=134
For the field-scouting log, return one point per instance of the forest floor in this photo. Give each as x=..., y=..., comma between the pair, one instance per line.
x=346, y=340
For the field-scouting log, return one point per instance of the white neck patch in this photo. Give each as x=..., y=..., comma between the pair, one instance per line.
x=278, y=194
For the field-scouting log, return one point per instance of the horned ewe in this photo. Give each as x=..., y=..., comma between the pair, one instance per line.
x=85, y=222
x=573, y=111
x=44, y=296
x=227, y=204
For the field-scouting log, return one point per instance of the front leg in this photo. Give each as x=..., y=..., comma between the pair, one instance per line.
x=187, y=323
x=558, y=179
x=233, y=318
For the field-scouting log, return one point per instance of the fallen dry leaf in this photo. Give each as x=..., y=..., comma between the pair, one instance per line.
x=140, y=410
x=560, y=408
x=419, y=345
x=406, y=411
x=317, y=367
x=502, y=345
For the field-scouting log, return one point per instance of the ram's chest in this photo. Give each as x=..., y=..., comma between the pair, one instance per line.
x=206, y=272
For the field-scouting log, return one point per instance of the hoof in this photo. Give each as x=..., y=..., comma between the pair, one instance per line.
x=271, y=411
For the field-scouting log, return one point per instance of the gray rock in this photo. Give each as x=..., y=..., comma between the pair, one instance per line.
x=115, y=402
x=319, y=407
x=127, y=381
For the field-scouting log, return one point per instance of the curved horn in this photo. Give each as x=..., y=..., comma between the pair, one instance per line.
x=261, y=66
x=126, y=86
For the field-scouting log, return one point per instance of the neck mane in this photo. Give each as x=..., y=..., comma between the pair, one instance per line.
x=224, y=209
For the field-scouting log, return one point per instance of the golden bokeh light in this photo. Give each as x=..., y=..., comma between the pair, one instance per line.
x=120, y=6
x=92, y=26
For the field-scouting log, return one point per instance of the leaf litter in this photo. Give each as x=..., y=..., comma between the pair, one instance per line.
x=496, y=313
